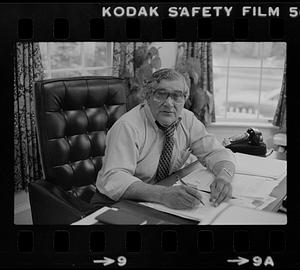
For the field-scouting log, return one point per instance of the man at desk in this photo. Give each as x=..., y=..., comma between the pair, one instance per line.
x=155, y=139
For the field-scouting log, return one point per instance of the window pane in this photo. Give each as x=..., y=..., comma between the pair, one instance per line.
x=220, y=75
x=246, y=54
x=62, y=74
x=96, y=54
x=252, y=66
x=243, y=92
x=274, y=54
x=220, y=53
x=271, y=79
x=99, y=72
x=43, y=48
x=271, y=86
x=65, y=55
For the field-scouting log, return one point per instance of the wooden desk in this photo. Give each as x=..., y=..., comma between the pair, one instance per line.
x=278, y=192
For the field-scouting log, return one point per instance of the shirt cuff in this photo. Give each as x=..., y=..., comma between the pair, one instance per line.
x=224, y=170
x=115, y=184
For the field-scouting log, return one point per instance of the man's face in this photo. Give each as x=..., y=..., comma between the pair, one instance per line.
x=167, y=101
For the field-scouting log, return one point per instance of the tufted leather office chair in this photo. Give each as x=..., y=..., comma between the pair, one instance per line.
x=73, y=116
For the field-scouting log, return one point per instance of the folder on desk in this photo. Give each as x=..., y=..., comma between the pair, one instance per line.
x=120, y=216
x=127, y=212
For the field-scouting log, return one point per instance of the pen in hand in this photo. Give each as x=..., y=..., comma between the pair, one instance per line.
x=202, y=190
x=185, y=184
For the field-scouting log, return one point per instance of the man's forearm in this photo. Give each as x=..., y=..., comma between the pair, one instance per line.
x=141, y=191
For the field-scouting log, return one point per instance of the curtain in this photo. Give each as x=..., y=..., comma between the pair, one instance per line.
x=195, y=59
x=28, y=68
x=129, y=60
x=280, y=113
x=123, y=55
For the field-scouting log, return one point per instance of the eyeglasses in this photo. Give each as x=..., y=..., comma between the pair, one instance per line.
x=161, y=95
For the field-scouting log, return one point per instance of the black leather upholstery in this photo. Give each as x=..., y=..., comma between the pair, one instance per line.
x=73, y=116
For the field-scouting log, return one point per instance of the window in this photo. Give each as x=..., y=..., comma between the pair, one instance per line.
x=247, y=79
x=70, y=59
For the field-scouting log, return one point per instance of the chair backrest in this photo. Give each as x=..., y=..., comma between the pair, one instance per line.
x=73, y=116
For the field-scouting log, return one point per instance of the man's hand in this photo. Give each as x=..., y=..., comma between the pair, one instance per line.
x=181, y=197
x=221, y=190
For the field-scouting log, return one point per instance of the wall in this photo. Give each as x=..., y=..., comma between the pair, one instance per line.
x=167, y=53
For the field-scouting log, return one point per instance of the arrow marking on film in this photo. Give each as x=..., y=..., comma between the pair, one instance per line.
x=240, y=260
x=106, y=261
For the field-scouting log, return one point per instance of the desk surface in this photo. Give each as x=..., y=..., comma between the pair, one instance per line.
x=278, y=192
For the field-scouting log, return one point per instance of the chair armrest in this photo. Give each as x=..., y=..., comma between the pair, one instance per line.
x=51, y=204
x=85, y=193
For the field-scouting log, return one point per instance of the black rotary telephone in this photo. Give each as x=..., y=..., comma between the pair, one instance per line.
x=249, y=142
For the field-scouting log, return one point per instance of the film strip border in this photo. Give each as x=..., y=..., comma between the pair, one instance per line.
x=234, y=21
x=147, y=245
x=194, y=247
x=169, y=29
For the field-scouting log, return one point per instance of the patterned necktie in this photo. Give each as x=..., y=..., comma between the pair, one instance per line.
x=163, y=167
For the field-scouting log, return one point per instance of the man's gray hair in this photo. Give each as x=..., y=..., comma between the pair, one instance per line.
x=164, y=74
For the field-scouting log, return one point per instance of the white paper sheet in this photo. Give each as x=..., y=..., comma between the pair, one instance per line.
x=91, y=219
x=252, y=186
x=255, y=203
x=236, y=215
x=260, y=166
x=242, y=185
x=200, y=178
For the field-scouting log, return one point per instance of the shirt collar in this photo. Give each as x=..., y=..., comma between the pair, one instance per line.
x=149, y=115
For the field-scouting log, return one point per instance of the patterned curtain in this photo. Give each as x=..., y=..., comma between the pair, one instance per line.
x=280, y=114
x=123, y=55
x=194, y=59
x=28, y=68
x=127, y=58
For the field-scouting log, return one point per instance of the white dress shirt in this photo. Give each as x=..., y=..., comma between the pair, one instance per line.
x=134, y=145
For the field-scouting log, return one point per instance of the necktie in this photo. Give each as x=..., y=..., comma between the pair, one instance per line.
x=163, y=167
